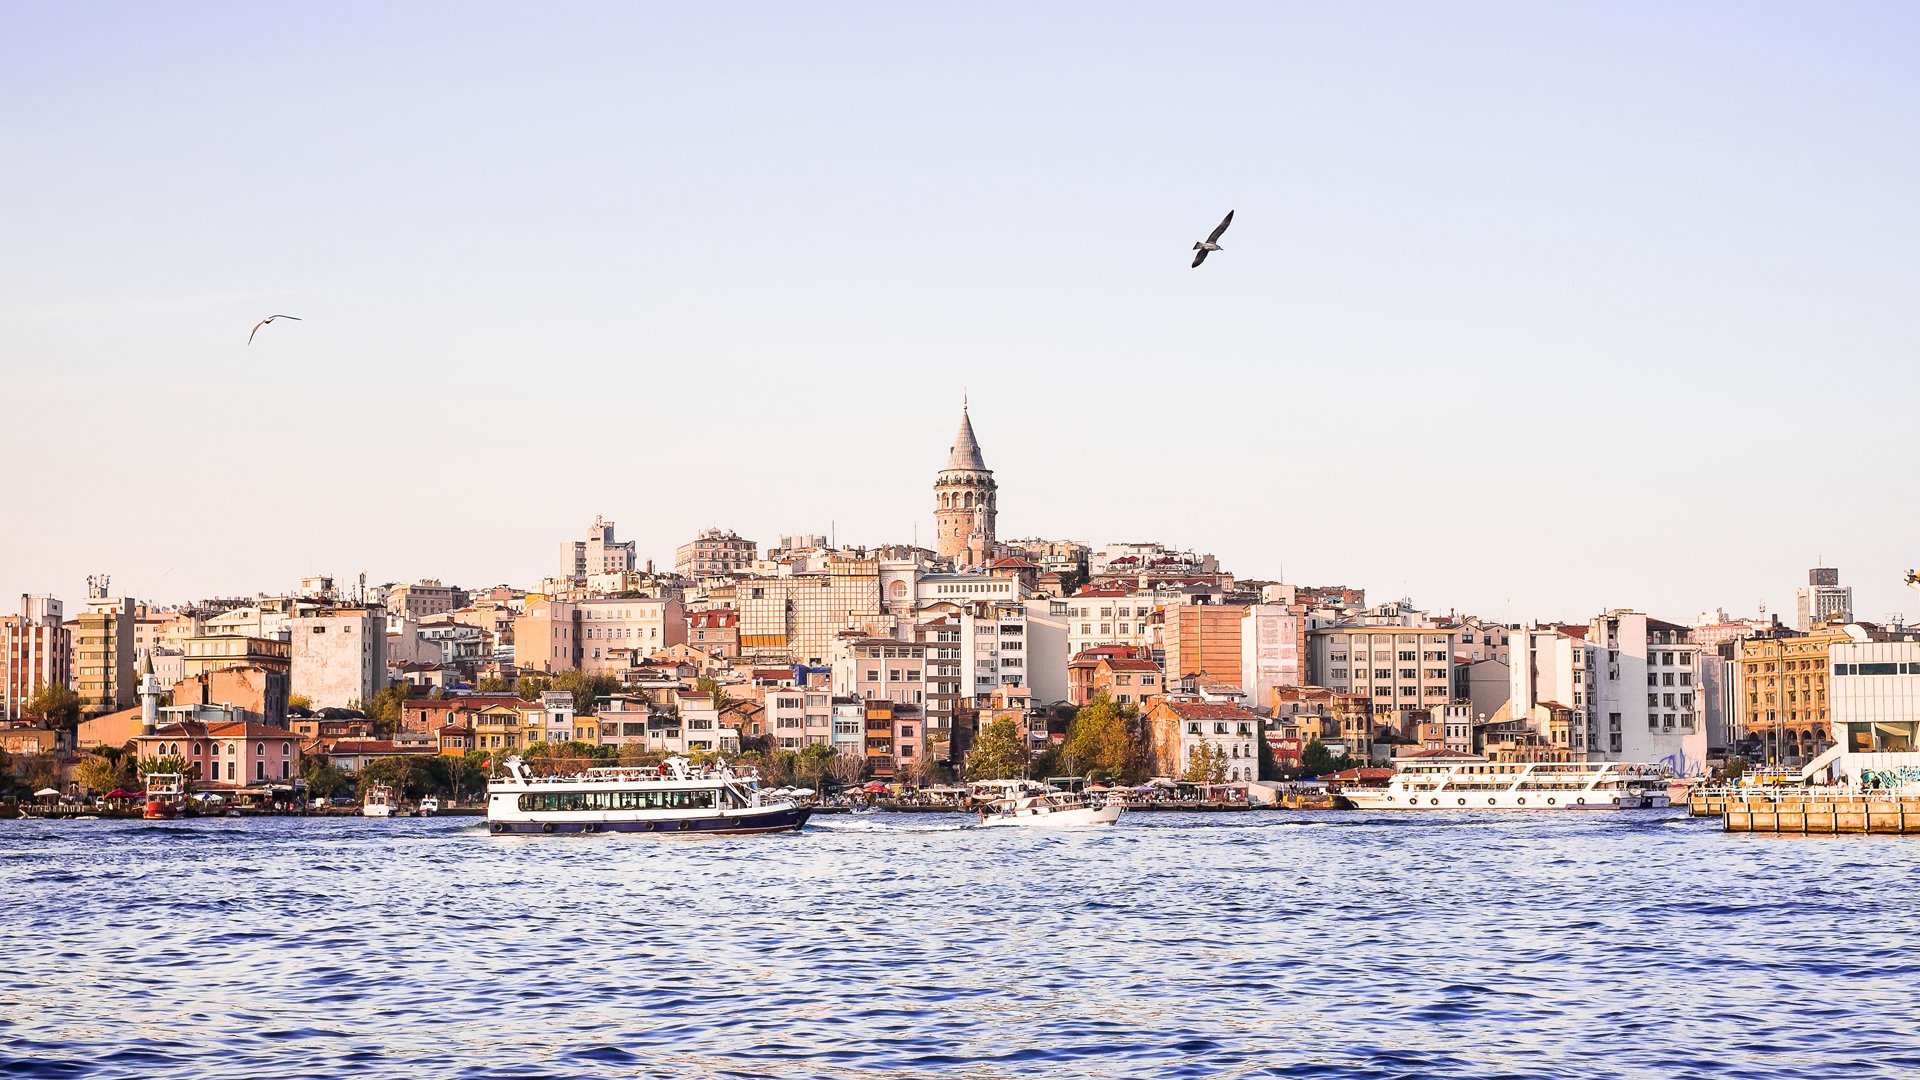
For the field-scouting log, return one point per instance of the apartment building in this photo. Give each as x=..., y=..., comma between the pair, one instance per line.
x=339, y=659
x=34, y=652
x=103, y=654
x=1645, y=704
x=1398, y=668
x=713, y=553
x=1111, y=617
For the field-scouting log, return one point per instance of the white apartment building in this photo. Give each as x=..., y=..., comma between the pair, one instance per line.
x=1399, y=668
x=339, y=659
x=617, y=632
x=1645, y=693
x=1823, y=599
x=1550, y=668
x=550, y=721
x=1272, y=650
x=1111, y=617
x=800, y=716
x=715, y=552
x=599, y=553
x=1015, y=643
x=34, y=652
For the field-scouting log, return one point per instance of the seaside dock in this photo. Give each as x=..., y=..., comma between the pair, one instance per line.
x=1816, y=812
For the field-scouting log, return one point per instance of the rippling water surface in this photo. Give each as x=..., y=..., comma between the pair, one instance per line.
x=1260, y=944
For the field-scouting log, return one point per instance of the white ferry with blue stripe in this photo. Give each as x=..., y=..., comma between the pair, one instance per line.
x=676, y=799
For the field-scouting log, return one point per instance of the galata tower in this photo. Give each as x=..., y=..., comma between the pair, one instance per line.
x=963, y=501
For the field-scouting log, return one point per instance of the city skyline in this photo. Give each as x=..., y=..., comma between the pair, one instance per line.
x=1521, y=303
x=663, y=560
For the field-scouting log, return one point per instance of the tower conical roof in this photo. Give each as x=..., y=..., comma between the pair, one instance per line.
x=966, y=448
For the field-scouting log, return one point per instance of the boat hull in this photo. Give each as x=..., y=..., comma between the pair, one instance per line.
x=1077, y=817
x=1492, y=800
x=781, y=819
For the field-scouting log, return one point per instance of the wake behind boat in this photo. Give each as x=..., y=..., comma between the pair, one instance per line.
x=675, y=798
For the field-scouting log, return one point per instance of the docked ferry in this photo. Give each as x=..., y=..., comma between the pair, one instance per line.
x=675, y=798
x=1472, y=784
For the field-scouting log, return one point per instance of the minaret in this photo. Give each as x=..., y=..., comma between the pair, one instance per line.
x=149, y=695
x=964, y=503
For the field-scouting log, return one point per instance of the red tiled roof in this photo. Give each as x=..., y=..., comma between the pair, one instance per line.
x=1209, y=710
x=1122, y=663
x=773, y=673
x=716, y=619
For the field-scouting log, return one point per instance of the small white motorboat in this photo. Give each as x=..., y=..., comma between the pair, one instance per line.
x=379, y=802
x=429, y=806
x=1049, y=809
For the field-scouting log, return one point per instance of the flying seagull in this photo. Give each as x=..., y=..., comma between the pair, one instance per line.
x=1210, y=244
x=296, y=318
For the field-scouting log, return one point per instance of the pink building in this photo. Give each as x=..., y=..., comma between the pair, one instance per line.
x=231, y=754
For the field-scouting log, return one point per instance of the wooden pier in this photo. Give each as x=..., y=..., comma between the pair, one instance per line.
x=1818, y=812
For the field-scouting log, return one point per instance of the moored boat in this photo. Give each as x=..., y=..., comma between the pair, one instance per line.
x=378, y=803
x=165, y=792
x=1466, y=783
x=429, y=806
x=677, y=798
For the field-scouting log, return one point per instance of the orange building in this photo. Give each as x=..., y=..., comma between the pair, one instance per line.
x=1204, y=639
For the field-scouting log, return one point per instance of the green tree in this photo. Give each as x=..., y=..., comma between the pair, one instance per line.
x=1206, y=764
x=1317, y=760
x=585, y=689
x=55, y=704
x=1269, y=765
x=815, y=762
x=299, y=701
x=530, y=687
x=324, y=779
x=168, y=763
x=492, y=684
x=712, y=686
x=1106, y=740
x=999, y=753
x=100, y=773
x=409, y=775
x=6, y=767
x=384, y=709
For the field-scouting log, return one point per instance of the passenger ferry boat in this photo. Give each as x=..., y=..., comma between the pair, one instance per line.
x=379, y=802
x=1518, y=785
x=675, y=798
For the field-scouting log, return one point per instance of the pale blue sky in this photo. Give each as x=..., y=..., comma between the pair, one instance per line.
x=1504, y=279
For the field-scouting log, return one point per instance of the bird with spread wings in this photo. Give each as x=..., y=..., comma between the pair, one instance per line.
x=1212, y=242
x=265, y=321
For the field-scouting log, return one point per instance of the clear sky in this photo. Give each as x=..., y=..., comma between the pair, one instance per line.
x=1529, y=309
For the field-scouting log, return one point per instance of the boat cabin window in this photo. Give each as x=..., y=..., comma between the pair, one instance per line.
x=618, y=800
